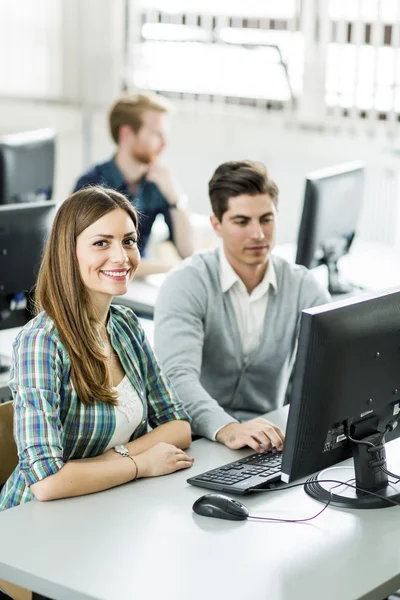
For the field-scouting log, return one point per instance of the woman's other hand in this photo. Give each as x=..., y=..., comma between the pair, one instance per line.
x=162, y=459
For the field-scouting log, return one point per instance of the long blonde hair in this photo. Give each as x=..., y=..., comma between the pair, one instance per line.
x=61, y=293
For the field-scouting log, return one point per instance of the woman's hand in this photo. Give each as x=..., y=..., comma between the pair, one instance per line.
x=162, y=459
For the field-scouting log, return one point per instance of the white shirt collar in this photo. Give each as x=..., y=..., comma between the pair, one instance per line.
x=229, y=277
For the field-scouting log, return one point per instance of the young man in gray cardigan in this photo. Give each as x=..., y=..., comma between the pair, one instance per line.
x=227, y=320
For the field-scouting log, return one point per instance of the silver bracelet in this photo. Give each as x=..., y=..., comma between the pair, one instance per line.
x=137, y=468
x=123, y=451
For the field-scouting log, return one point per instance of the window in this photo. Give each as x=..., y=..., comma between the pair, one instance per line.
x=213, y=50
x=363, y=58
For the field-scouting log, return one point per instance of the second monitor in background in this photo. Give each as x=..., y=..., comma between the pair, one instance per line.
x=27, y=166
x=332, y=207
x=24, y=229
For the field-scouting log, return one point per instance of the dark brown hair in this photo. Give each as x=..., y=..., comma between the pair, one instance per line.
x=234, y=178
x=61, y=293
x=129, y=109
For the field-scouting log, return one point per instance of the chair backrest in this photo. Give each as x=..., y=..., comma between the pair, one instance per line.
x=8, y=449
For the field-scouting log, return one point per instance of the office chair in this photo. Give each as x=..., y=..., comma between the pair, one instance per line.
x=8, y=449
x=8, y=462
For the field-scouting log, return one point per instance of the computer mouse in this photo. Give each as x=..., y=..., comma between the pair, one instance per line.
x=220, y=507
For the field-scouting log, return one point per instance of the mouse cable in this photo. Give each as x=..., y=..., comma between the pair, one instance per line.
x=304, y=484
x=279, y=520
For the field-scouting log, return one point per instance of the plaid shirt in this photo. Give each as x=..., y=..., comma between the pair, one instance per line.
x=51, y=425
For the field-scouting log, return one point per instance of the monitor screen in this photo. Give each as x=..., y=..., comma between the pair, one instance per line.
x=27, y=166
x=23, y=231
x=346, y=390
x=332, y=206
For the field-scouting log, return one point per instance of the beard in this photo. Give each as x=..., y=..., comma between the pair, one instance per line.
x=144, y=156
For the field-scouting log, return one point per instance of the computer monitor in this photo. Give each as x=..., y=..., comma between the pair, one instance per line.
x=346, y=394
x=23, y=231
x=332, y=205
x=27, y=166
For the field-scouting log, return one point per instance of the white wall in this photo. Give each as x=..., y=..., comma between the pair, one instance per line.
x=91, y=50
x=202, y=137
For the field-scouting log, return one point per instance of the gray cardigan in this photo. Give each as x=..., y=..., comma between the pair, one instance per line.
x=198, y=342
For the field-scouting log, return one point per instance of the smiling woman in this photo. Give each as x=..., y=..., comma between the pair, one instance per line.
x=88, y=235
x=85, y=381
x=108, y=261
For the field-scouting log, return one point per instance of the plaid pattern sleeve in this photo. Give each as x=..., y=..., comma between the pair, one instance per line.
x=162, y=399
x=35, y=385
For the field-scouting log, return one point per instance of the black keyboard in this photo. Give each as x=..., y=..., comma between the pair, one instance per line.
x=254, y=471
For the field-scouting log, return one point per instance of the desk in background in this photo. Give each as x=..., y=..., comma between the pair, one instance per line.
x=7, y=337
x=370, y=265
x=142, y=294
x=142, y=540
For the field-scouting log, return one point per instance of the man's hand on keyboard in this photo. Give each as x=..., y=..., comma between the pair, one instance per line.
x=259, y=434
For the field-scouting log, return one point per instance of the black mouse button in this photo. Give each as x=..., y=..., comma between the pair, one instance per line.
x=241, y=508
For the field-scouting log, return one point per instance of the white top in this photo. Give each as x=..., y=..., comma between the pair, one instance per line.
x=128, y=413
x=249, y=309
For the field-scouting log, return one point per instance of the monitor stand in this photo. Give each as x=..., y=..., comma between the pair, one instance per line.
x=336, y=286
x=332, y=251
x=374, y=490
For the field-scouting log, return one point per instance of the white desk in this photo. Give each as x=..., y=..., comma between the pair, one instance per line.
x=7, y=337
x=142, y=540
x=369, y=264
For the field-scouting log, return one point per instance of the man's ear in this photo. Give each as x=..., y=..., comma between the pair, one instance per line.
x=216, y=225
x=125, y=133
